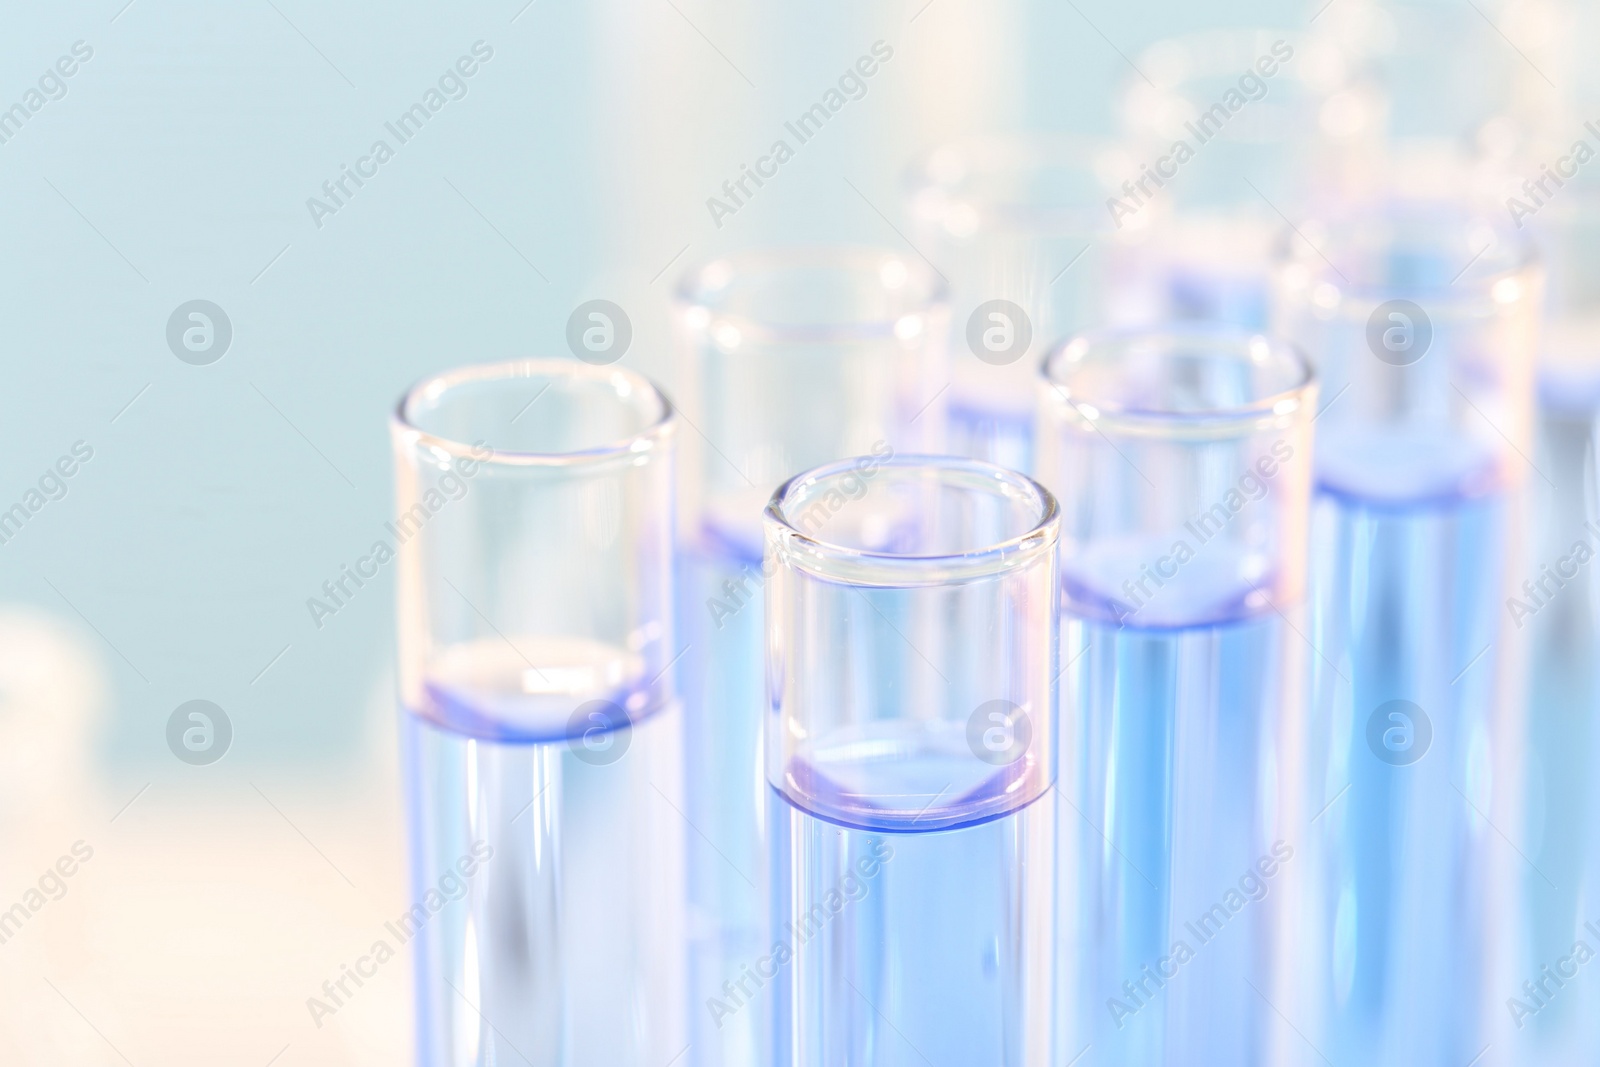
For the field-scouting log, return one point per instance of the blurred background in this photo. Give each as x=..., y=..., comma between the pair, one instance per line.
x=202, y=153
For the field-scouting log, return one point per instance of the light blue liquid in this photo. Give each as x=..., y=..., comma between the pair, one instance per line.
x=565, y=950
x=1208, y=295
x=910, y=949
x=1004, y=438
x=721, y=619
x=1178, y=856
x=1561, y=830
x=1406, y=606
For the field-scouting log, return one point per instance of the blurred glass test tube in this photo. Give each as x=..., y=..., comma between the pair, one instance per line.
x=540, y=729
x=1423, y=319
x=911, y=698
x=1018, y=224
x=791, y=358
x=1182, y=460
x=1431, y=74
x=1557, y=605
x=1226, y=129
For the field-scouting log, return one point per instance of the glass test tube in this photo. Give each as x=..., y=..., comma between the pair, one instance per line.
x=1556, y=605
x=792, y=358
x=911, y=696
x=1019, y=226
x=1423, y=319
x=1182, y=460
x=1435, y=75
x=540, y=730
x=1227, y=128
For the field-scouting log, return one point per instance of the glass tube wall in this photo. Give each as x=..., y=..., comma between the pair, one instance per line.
x=1423, y=317
x=1182, y=460
x=790, y=358
x=541, y=733
x=910, y=747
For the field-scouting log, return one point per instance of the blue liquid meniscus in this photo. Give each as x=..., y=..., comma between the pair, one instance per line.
x=905, y=946
x=563, y=946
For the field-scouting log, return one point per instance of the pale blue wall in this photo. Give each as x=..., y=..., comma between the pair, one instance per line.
x=190, y=143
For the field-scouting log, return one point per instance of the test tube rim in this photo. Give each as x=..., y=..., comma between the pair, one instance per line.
x=1209, y=48
x=867, y=567
x=1279, y=408
x=1464, y=297
x=1014, y=215
x=631, y=448
x=692, y=296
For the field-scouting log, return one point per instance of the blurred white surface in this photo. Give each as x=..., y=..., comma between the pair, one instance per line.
x=211, y=906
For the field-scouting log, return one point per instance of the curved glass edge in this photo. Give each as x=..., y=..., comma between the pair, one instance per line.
x=694, y=303
x=943, y=817
x=406, y=434
x=1310, y=263
x=854, y=566
x=1273, y=411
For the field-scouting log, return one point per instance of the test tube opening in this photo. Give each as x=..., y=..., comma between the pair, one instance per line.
x=1190, y=381
x=1022, y=184
x=910, y=519
x=811, y=295
x=798, y=356
x=533, y=525
x=1181, y=459
x=1422, y=315
x=912, y=602
x=535, y=411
